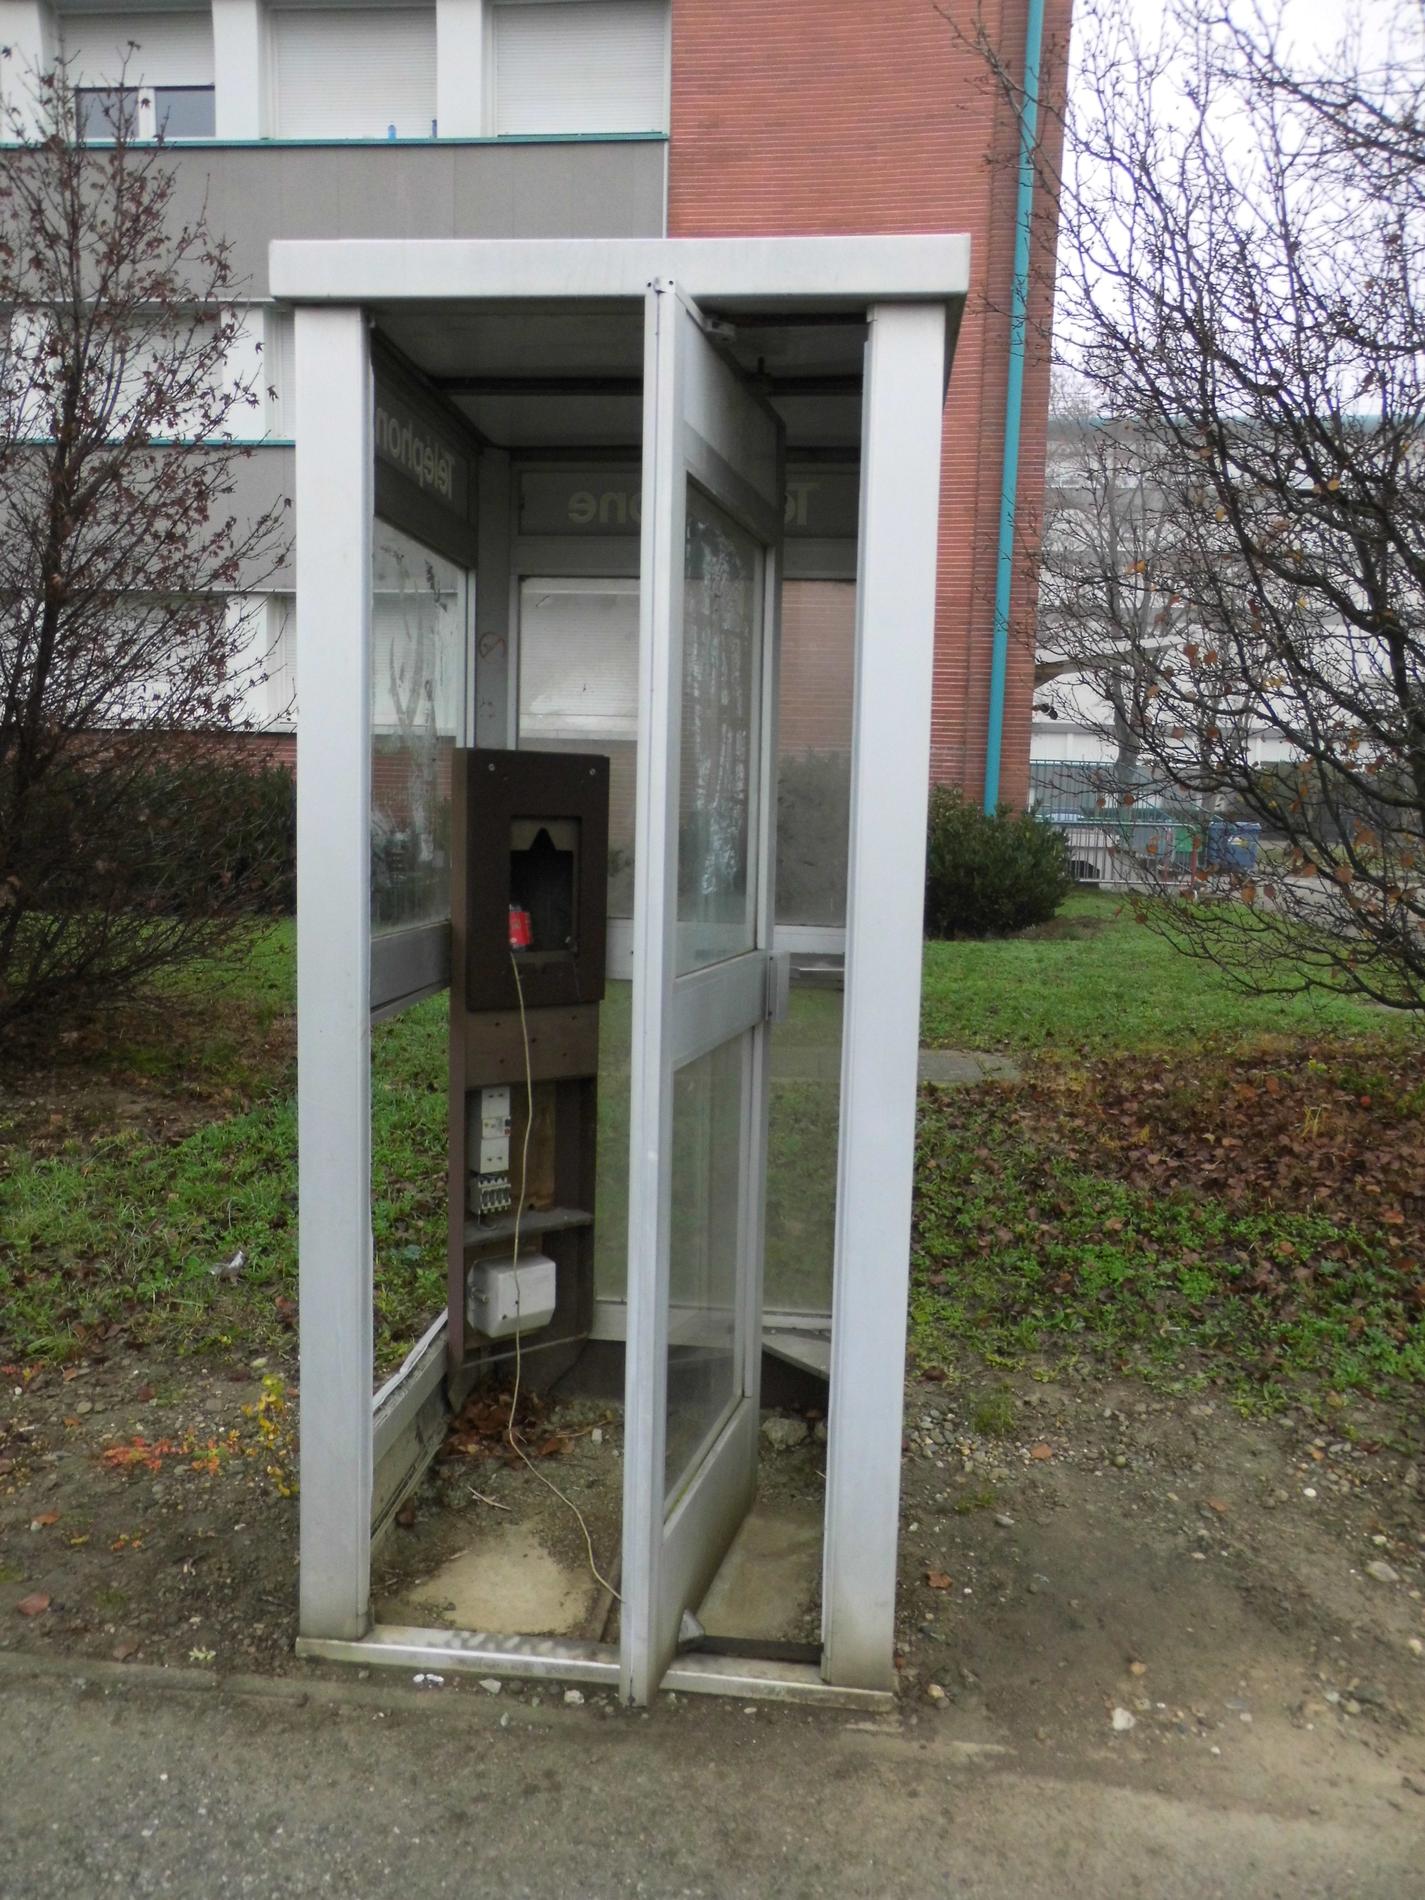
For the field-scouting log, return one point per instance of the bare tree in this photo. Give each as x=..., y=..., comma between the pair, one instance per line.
x=125, y=839
x=1240, y=278
x=1108, y=609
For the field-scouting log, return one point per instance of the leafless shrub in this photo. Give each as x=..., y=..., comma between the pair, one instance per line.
x=124, y=661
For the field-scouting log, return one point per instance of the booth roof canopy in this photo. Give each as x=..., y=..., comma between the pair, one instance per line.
x=540, y=342
x=552, y=375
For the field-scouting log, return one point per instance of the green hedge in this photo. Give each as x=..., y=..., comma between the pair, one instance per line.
x=986, y=876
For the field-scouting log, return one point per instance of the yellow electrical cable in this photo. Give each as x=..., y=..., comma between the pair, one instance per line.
x=514, y=1443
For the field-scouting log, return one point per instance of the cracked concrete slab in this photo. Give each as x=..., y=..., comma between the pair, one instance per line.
x=963, y=1068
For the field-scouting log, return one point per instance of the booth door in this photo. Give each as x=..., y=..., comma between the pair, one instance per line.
x=712, y=517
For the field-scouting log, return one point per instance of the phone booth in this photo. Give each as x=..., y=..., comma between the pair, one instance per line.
x=615, y=620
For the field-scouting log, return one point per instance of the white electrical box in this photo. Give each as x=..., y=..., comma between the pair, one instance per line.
x=502, y=1298
x=494, y=1135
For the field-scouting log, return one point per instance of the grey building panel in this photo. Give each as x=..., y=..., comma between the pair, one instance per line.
x=264, y=480
x=260, y=480
x=256, y=193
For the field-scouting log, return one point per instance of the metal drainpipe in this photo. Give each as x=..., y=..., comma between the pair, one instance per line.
x=1014, y=400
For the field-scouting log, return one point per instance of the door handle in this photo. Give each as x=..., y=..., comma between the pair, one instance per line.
x=779, y=986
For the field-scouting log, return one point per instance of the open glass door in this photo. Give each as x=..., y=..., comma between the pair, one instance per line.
x=712, y=517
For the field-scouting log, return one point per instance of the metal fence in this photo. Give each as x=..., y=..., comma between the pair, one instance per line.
x=1115, y=838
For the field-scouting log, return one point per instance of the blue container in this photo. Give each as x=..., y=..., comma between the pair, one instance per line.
x=1231, y=847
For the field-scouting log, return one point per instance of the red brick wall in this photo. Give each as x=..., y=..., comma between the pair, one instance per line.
x=818, y=642
x=835, y=116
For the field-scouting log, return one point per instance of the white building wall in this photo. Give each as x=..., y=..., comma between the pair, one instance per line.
x=28, y=28
x=316, y=70
x=240, y=61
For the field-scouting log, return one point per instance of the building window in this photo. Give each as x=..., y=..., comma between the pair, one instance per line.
x=141, y=73
x=106, y=112
x=273, y=702
x=586, y=66
x=170, y=112
x=354, y=72
x=184, y=112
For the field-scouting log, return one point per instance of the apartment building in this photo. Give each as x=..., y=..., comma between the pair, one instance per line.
x=600, y=118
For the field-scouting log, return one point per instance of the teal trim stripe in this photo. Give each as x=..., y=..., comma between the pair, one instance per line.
x=182, y=442
x=1014, y=401
x=402, y=145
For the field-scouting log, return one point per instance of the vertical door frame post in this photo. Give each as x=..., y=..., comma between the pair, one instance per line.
x=890, y=762
x=334, y=497
x=650, y=1108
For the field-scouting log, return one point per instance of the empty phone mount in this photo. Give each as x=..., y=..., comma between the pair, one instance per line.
x=530, y=849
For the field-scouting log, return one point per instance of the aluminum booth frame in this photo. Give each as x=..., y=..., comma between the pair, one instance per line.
x=910, y=290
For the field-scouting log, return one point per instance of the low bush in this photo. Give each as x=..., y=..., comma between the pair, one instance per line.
x=986, y=876
x=129, y=857
x=813, y=828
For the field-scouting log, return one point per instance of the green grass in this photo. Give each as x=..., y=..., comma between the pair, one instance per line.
x=1023, y=1257
x=123, y=1230
x=1097, y=980
x=1020, y=1256
x=993, y=1414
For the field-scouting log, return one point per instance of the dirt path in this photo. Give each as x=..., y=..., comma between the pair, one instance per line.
x=1098, y=1586
x=394, y=1793
x=1126, y=1587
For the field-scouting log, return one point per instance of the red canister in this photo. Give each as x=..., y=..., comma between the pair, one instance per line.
x=521, y=934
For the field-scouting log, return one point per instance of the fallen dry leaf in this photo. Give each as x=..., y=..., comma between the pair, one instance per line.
x=938, y=1580
x=1137, y=1669
x=1041, y=1451
x=44, y=1518
x=33, y=1605
x=1217, y=1504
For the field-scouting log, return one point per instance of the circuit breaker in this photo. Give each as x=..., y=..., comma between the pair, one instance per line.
x=529, y=903
x=489, y=1156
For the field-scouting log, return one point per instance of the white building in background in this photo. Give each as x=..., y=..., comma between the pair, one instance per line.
x=1071, y=722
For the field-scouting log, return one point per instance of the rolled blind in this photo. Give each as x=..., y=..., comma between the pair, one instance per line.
x=174, y=49
x=353, y=72
x=581, y=66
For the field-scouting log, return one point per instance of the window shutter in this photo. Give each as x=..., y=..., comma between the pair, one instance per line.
x=174, y=49
x=581, y=66
x=352, y=72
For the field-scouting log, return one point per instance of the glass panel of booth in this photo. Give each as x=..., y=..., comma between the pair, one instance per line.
x=708, y=1167
x=814, y=707
x=578, y=692
x=578, y=684
x=419, y=615
x=717, y=887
